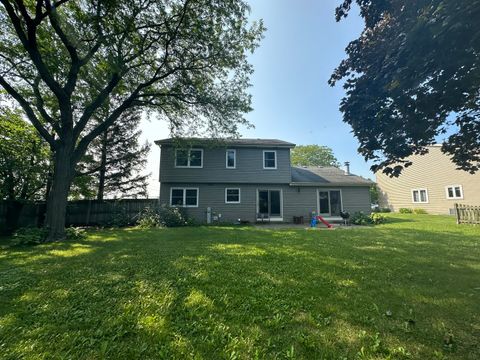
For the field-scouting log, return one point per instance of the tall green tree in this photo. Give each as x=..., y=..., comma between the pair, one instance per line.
x=411, y=76
x=374, y=194
x=24, y=158
x=114, y=164
x=63, y=60
x=313, y=155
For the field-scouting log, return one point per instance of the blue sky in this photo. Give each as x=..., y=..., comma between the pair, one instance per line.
x=291, y=97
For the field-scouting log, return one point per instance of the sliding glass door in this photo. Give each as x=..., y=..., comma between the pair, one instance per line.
x=270, y=203
x=329, y=202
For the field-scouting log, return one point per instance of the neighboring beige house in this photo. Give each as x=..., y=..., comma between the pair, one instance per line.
x=432, y=183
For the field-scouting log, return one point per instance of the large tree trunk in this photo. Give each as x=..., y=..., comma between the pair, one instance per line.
x=57, y=198
x=103, y=167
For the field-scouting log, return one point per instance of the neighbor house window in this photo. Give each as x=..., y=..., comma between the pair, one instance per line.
x=419, y=196
x=269, y=159
x=192, y=158
x=184, y=197
x=231, y=159
x=454, y=192
x=232, y=196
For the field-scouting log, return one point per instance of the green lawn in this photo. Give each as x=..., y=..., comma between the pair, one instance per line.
x=390, y=292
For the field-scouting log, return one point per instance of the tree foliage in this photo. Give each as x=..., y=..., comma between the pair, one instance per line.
x=374, y=194
x=62, y=61
x=411, y=76
x=24, y=158
x=313, y=155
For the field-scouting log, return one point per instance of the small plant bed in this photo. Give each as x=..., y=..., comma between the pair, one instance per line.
x=408, y=289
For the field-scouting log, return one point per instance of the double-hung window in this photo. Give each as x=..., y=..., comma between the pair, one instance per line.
x=231, y=159
x=232, y=196
x=189, y=158
x=454, y=192
x=184, y=197
x=269, y=159
x=419, y=196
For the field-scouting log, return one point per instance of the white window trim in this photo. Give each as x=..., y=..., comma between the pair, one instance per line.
x=319, y=190
x=189, y=166
x=239, y=196
x=184, y=189
x=419, y=197
x=454, y=196
x=234, y=159
x=270, y=168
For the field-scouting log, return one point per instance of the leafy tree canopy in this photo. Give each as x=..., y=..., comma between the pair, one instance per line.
x=24, y=158
x=413, y=74
x=62, y=61
x=313, y=155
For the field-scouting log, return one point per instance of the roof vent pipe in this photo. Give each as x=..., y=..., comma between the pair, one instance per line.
x=347, y=167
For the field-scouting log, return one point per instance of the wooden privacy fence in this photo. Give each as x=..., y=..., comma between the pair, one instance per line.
x=14, y=214
x=467, y=214
x=106, y=212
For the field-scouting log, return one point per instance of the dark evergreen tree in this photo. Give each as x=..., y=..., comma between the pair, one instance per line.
x=115, y=162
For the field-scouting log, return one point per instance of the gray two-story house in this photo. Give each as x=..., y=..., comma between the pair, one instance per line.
x=252, y=180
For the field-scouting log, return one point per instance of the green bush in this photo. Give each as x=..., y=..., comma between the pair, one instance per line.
x=378, y=218
x=360, y=218
x=166, y=216
x=30, y=236
x=75, y=233
x=405, y=211
x=420, y=211
x=148, y=218
x=173, y=216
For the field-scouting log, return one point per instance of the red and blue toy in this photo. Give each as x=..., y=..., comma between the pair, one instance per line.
x=316, y=218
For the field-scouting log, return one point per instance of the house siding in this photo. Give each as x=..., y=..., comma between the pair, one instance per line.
x=433, y=171
x=356, y=199
x=297, y=201
x=249, y=166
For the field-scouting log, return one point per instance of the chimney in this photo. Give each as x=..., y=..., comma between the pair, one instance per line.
x=347, y=167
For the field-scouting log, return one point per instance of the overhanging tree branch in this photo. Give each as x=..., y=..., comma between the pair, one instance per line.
x=41, y=108
x=29, y=42
x=28, y=111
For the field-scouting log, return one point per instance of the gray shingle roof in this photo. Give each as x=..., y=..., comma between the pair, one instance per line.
x=323, y=175
x=221, y=142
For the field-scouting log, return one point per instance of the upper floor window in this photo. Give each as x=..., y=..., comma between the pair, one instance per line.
x=192, y=158
x=184, y=197
x=231, y=159
x=269, y=159
x=454, y=192
x=419, y=196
